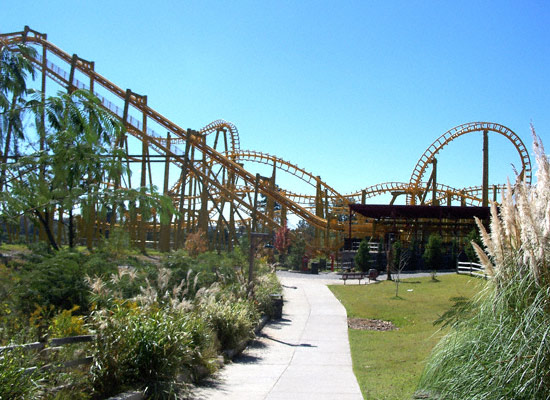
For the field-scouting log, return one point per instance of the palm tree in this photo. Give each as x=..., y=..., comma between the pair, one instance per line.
x=15, y=66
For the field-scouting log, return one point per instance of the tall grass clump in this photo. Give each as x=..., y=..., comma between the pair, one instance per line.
x=15, y=383
x=149, y=348
x=499, y=346
x=232, y=319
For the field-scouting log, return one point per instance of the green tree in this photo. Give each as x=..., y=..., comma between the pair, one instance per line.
x=474, y=237
x=71, y=174
x=15, y=66
x=297, y=253
x=362, y=258
x=433, y=255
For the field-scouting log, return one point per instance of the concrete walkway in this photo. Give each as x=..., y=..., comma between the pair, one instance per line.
x=305, y=355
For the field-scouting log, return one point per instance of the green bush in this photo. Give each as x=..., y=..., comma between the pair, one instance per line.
x=362, y=258
x=266, y=285
x=57, y=280
x=10, y=317
x=201, y=271
x=14, y=382
x=148, y=348
x=433, y=254
x=100, y=264
x=232, y=319
x=118, y=243
x=296, y=253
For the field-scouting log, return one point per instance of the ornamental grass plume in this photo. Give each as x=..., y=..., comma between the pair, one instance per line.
x=498, y=348
x=518, y=241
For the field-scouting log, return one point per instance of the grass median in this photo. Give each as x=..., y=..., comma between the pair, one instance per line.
x=388, y=364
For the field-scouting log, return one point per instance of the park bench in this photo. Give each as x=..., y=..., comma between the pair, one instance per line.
x=372, y=275
x=353, y=275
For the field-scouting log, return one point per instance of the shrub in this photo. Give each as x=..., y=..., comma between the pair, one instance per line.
x=57, y=280
x=266, y=285
x=100, y=263
x=66, y=324
x=362, y=258
x=433, y=255
x=196, y=243
x=233, y=320
x=297, y=253
x=10, y=317
x=118, y=244
x=14, y=382
x=282, y=241
x=201, y=271
x=147, y=348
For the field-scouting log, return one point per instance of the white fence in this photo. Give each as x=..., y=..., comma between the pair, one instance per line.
x=472, y=269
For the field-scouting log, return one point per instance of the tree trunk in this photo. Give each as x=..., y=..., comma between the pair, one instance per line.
x=71, y=228
x=7, y=144
x=44, y=220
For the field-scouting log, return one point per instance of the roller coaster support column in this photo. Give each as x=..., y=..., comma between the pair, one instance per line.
x=485, y=194
x=165, y=227
x=144, y=153
x=434, y=183
x=232, y=235
x=318, y=211
x=327, y=232
x=119, y=143
x=191, y=198
x=270, y=203
x=71, y=87
x=283, y=215
x=178, y=239
x=253, y=234
x=203, y=213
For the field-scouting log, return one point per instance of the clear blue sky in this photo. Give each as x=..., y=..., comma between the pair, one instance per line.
x=353, y=91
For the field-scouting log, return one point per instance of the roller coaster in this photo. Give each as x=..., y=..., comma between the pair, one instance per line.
x=203, y=170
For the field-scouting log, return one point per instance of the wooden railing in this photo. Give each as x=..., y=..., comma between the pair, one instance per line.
x=45, y=349
x=472, y=269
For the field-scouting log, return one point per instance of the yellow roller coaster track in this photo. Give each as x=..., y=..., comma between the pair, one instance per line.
x=222, y=172
x=470, y=196
x=135, y=127
x=449, y=136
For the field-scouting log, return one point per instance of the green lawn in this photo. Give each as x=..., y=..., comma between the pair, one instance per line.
x=388, y=364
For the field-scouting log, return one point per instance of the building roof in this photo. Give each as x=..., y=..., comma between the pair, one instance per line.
x=416, y=212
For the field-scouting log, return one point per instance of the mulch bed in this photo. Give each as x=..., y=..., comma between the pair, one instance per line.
x=370, y=324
